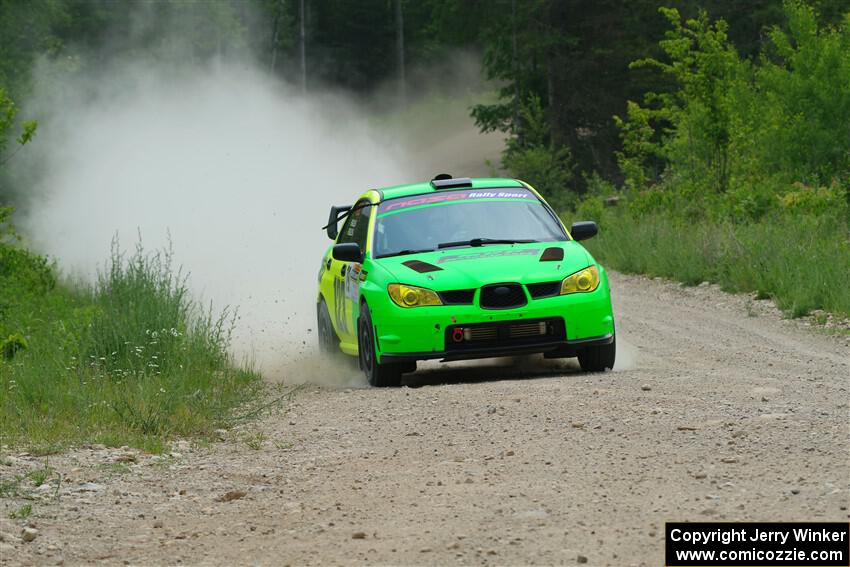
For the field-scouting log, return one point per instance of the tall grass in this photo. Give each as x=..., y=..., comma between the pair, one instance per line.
x=131, y=360
x=801, y=261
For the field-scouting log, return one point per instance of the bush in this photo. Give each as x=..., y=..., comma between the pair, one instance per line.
x=532, y=158
x=816, y=200
x=749, y=128
x=739, y=174
x=802, y=262
x=132, y=361
x=545, y=170
x=12, y=344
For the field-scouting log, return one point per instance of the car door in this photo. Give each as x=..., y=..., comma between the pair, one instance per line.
x=346, y=275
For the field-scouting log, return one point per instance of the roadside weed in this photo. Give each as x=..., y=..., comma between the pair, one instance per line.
x=21, y=513
x=132, y=360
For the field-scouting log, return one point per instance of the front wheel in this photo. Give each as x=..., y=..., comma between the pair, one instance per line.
x=379, y=375
x=598, y=358
x=328, y=341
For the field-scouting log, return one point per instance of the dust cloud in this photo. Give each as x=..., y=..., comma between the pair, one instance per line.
x=239, y=168
x=627, y=355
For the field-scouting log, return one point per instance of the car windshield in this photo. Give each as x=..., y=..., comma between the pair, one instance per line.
x=470, y=217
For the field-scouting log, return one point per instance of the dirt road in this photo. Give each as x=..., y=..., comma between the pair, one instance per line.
x=721, y=410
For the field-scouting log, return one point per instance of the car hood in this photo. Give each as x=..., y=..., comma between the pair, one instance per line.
x=472, y=267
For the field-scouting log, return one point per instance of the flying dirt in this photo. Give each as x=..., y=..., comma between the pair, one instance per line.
x=236, y=170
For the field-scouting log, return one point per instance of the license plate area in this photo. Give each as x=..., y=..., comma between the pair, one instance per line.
x=515, y=332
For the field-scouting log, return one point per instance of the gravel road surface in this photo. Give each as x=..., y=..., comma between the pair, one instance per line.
x=719, y=410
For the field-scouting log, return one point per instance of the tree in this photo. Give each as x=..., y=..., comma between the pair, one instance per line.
x=279, y=20
x=574, y=55
x=399, y=51
x=533, y=159
x=302, y=43
x=708, y=73
x=26, y=132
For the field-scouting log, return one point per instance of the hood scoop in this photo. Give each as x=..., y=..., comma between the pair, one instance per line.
x=421, y=267
x=552, y=254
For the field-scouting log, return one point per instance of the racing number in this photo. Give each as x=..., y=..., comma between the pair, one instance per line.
x=339, y=304
x=346, y=276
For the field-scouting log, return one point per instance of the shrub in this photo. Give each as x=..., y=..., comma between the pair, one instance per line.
x=133, y=360
x=12, y=344
x=815, y=200
x=546, y=170
x=532, y=157
x=802, y=262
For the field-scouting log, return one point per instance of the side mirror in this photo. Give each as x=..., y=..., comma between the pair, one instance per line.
x=333, y=218
x=348, y=252
x=583, y=230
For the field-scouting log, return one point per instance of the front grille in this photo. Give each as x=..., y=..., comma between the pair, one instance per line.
x=457, y=296
x=481, y=333
x=507, y=333
x=545, y=289
x=533, y=329
x=502, y=296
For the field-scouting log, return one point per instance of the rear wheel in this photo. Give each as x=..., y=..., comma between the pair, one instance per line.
x=379, y=375
x=598, y=358
x=328, y=341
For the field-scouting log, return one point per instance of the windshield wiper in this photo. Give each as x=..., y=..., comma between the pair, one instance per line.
x=405, y=253
x=482, y=241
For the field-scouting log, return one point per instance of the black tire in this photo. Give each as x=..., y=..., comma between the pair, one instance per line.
x=379, y=375
x=598, y=358
x=328, y=340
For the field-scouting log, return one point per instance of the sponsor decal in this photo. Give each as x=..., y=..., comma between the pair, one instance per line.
x=352, y=281
x=346, y=291
x=490, y=254
x=352, y=290
x=339, y=305
x=470, y=195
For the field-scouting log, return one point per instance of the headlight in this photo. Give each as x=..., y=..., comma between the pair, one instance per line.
x=411, y=296
x=582, y=281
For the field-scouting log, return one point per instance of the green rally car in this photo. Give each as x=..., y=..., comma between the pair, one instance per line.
x=460, y=268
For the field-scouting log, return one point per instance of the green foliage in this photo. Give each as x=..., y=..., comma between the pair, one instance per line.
x=820, y=201
x=532, y=158
x=639, y=146
x=8, y=113
x=21, y=271
x=575, y=57
x=12, y=344
x=799, y=124
x=748, y=129
x=753, y=193
x=698, y=117
x=802, y=262
x=132, y=361
x=164, y=332
x=28, y=29
x=21, y=513
x=593, y=203
x=40, y=475
x=545, y=169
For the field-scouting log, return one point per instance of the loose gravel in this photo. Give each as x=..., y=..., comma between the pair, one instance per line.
x=719, y=409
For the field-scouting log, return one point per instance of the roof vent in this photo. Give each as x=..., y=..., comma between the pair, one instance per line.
x=449, y=183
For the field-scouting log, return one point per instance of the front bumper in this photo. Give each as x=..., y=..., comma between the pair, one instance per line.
x=420, y=333
x=548, y=348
